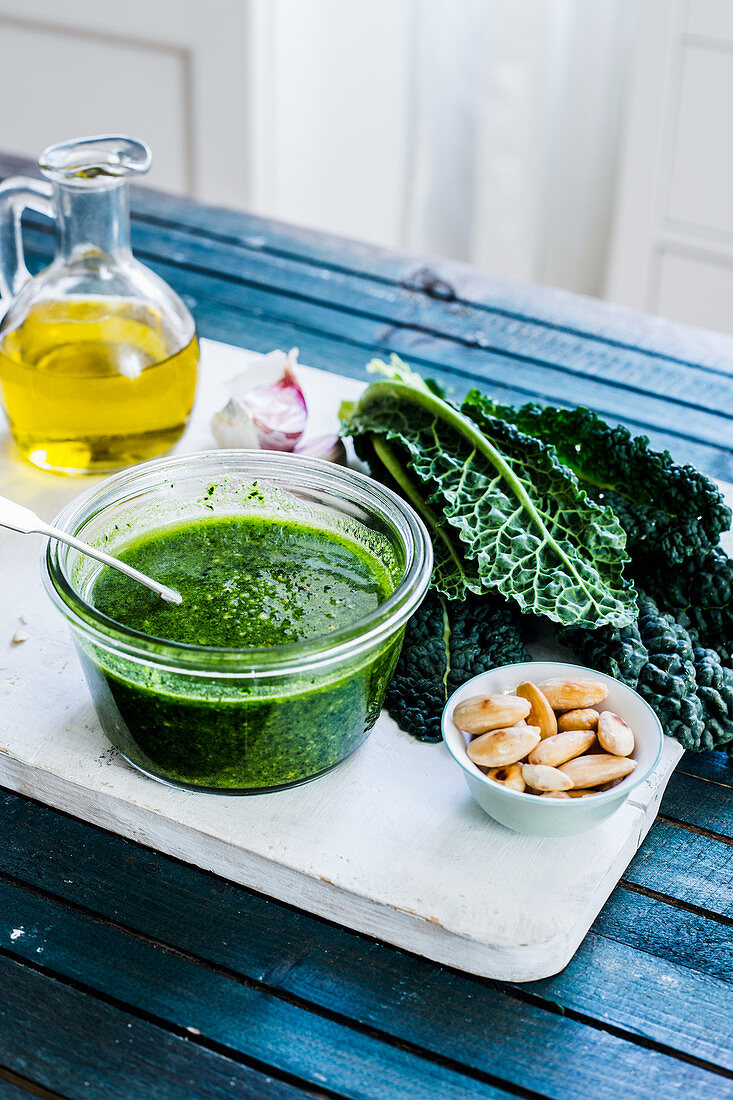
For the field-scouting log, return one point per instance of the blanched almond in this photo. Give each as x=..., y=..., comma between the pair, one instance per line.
x=614, y=734
x=506, y=746
x=544, y=778
x=541, y=714
x=554, y=794
x=578, y=792
x=584, y=719
x=563, y=746
x=509, y=776
x=489, y=712
x=589, y=771
x=564, y=693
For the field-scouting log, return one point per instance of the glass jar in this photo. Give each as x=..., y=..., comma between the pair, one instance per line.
x=238, y=720
x=98, y=356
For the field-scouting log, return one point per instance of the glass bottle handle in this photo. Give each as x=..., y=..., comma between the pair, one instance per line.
x=16, y=195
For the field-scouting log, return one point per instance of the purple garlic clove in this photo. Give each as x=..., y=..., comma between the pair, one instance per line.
x=329, y=447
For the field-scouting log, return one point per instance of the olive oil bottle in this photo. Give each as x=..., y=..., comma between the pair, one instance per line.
x=91, y=385
x=98, y=356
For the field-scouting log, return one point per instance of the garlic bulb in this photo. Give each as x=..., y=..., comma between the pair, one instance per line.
x=234, y=427
x=329, y=447
x=271, y=414
x=279, y=412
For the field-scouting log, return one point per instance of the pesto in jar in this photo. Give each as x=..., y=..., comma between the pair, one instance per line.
x=245, y=582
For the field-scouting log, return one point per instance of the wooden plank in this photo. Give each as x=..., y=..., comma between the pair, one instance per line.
x=293, y=1041
x=517, y=340
x=713, y=767
x=242, y=321
x=81, y=1047
x=15, y=1087
x=551, y=378
x=686, y=866
x=378, y=986
x=693, y=801
x=673, y=934
x=660, y=1000
x=437, y=278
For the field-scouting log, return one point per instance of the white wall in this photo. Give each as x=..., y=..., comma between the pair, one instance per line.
x=173, y=72
x=331, y=113
x=487, y=130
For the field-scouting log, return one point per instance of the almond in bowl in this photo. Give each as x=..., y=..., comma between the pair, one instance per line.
x=568, y=762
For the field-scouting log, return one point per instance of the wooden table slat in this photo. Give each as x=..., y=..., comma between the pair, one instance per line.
x=344, y=342
x=600, y=320
x=693, y=801
x=82, y=1047
x=651, y=925
x=280, y=947
x=15, y=1087
x=550, y=373
x=681, y=864
x=713, y=767
x=238, y=1016
x=546, y=373
x=524, y=340
x=291, y=1039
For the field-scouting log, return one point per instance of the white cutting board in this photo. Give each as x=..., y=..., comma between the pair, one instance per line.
x=389, y=844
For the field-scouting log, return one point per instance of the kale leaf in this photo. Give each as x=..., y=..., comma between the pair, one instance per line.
x=688, y=686
x=617, y=651
x=699, y=593
x=715, y=692
x=484, y=474
x=505, y=514
x=667, y=681
x=668, y=510
x=446, y=643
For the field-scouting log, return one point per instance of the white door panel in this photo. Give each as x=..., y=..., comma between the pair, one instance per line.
x=711, y=305
x=672, y=249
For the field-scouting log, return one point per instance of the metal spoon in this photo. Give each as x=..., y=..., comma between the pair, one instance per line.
x=18, y=518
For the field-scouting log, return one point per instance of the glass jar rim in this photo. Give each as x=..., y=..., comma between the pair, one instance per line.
x=301, y=473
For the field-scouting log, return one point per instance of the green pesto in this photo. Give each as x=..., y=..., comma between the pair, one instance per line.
x=245, y=582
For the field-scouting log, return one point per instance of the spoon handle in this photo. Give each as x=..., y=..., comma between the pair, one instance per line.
x=18, y=518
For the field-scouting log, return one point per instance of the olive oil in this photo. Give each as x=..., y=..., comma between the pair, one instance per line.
x=95, y=384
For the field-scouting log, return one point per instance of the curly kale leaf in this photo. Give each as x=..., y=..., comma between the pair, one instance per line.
x=668, y=510
x=668, y=681
x=446, y=643
x=617, y=651
x=715, y=692
x=505, y=514
x=688, y=686
x=699, y=594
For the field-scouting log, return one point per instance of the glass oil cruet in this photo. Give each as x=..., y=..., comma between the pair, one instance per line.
x=98, y=356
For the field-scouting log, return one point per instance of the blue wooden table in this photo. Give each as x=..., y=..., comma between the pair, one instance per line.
x=137, y=977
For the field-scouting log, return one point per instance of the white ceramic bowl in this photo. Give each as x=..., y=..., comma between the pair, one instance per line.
x=528, y=813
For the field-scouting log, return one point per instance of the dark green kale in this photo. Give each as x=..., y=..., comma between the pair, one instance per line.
x=617, y=651
x=715, y=692
x=688, y=686
x=668, y=681
x=699, y=593
x=678, y=653
x=446, y=643
x=506, y=516
x=670, y=512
